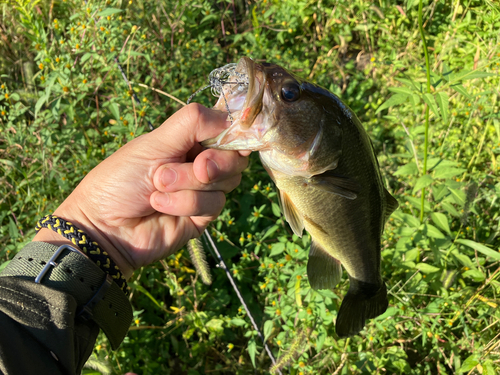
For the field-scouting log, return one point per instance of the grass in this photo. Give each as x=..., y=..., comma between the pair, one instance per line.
x=431, y=111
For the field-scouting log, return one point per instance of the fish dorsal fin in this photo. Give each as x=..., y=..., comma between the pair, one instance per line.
x=391, y=204
x=342, y=186
x=323, y=270
x=292, y=215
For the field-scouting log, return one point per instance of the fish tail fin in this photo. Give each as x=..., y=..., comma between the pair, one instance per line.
x=323, y=270
x=363, y=301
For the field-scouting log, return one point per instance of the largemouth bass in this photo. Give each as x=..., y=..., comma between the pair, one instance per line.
x=323, y=163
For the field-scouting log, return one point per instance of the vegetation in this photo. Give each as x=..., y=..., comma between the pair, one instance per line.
x=431, y=109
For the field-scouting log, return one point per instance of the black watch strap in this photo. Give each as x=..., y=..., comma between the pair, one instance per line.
x=68, y=270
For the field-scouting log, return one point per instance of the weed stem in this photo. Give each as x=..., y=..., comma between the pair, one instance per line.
x=426, y=142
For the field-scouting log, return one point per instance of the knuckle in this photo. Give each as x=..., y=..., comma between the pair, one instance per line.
x=194, y=112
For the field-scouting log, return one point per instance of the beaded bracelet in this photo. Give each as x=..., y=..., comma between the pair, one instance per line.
x=83, y=241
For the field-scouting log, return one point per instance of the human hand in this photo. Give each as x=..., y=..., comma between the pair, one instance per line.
x=150, y=197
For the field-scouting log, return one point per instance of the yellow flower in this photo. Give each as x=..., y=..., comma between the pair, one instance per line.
x=40, y=66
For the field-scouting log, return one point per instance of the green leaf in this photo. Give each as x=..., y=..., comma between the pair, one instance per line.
x=276, y=209
x=426, y=268
x=238, y=322
x=208, y=18
x=401, y=90
x=441, y=221
x=144, y=291
x=410, y=220
x=85, y=57
x=432, y=231
x=270, y=231
x=392, y=101
x=268, y=329
x=215, y=325
x=488, y=368
x=320, y=340
x=469, y=364
x=109, y=12
x=461, y=90
x=277, y=249
x=13, y=231
x=475, y=275
x=40, y=102
x=447, y=172
x=407, y=169
x=252, y=350
x=423, y=182
x=481, y=248
x=442, y=100
x=462, y=258
x=115, y=110
x=429, y=99
x=415, y=101
x=471, y=74
x=458, y=195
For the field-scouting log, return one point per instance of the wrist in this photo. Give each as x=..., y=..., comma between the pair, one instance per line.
x=73, y=214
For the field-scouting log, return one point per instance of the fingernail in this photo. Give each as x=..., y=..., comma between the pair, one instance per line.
x=168, y=176
x=162, y=199
x=212, y=169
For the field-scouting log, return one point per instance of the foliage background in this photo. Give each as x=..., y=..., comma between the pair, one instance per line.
x=64, y=107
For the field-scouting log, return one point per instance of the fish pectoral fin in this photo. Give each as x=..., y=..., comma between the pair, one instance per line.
x=363, y=301
x=391, y=205
x=323, y=270
x=292, y=215
x=342, y=186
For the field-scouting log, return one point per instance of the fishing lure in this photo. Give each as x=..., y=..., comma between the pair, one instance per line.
x=226, y=75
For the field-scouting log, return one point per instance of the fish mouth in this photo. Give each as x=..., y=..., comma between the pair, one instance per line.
x=244, y=104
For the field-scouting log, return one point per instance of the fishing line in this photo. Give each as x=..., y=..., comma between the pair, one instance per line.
x=222, y=265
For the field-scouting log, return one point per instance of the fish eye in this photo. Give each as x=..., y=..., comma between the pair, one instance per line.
x=290, y=92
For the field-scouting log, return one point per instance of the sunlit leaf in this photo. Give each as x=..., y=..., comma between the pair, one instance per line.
x=252, y=350
x=441, y=220
x=442, y=100
x=429, y=99
x=392, y=101
x=481, y=248
x=423, y=182
x=426, y=268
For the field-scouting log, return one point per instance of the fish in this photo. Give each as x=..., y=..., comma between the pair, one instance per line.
x=323, y=164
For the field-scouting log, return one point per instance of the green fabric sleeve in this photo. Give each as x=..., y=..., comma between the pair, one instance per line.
x=42, y=327
x=38, y=331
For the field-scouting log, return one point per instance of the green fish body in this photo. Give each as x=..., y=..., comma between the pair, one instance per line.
x=324, y=166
